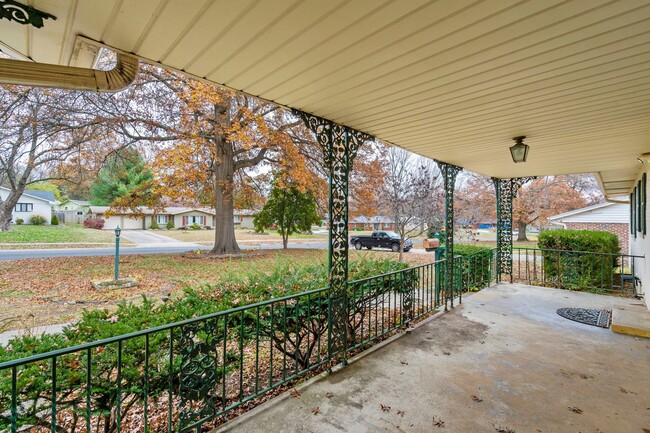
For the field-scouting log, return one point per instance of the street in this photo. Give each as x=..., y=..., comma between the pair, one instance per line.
x=85, y=252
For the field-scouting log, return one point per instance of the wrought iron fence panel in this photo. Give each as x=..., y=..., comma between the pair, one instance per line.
x=179, y=376
x=577, y=270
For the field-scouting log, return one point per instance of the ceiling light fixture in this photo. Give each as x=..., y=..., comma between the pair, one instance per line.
x=519, y=151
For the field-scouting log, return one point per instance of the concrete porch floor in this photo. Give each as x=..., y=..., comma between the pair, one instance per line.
x=532, y=370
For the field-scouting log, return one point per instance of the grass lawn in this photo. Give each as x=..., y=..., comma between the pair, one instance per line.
x=64, y=233
x=36, y=292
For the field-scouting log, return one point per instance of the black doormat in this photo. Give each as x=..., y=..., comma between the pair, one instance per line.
x=601, y=318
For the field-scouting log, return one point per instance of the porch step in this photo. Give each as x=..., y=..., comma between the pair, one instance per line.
x=632, y=320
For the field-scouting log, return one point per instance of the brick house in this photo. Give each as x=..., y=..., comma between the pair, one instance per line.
x=609, y=217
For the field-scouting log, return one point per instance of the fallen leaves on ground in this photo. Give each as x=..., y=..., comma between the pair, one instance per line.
x=404, y=362
x=575, y=409
x=438, y=422
x=385, y=408
x=315, y=410
x=501, y=429
x=477, y=399
x=329, y=395
x=294, y=393
x=400, y=412
x=446, y=353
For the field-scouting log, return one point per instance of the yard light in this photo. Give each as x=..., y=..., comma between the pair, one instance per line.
x=118, y=230
x=519, y=151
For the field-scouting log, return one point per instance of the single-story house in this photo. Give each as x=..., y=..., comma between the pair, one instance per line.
x=181, y=217
x=72, y=205
x=244, y=218
x=608, y=216
x=128, y=220
x=72, y=211
x=372, y=223
x=31, y=203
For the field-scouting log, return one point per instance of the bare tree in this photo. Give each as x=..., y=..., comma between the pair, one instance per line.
x=411, y=194
x=40, y=128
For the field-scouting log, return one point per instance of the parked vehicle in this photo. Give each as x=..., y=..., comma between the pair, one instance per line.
x=380, y=239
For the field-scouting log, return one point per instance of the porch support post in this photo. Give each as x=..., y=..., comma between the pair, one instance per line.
x=506, y=191
x=339, y=144
x=449, y=173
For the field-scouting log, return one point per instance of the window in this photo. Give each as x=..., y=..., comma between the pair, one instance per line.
x=161, y=219
x=24, y=207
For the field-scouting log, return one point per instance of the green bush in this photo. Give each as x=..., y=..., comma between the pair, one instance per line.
x=54, y=221
x=154, y=225
x=20, y=221
x=569, y=264
x=476, y=266
x=37, y=220
x=195, y=226
x=170, y=224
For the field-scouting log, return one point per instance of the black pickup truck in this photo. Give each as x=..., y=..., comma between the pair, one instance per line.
x=380, y=239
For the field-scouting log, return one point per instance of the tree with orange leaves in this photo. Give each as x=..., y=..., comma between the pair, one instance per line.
x=206, y=141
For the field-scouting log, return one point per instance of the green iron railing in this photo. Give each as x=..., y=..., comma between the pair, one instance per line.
x=577, y=270
x=180, y=376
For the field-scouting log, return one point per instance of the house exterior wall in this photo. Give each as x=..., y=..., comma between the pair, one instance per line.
x=179, y=220
x=149, y=219
x=70, y=206
x=615, y=213
x=621, y=230
x=640, y=245
x=39, y=207
x=125, y=223
x=245, y=221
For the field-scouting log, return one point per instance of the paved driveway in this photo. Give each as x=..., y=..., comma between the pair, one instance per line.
x=503, y=361
x=146, y=238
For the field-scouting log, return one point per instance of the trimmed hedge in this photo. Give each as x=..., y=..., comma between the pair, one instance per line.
x=571, y=266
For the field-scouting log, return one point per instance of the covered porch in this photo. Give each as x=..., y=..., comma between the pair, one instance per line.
x=454, y=81
x=503, y=361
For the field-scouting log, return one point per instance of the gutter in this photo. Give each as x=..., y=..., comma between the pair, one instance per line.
x=22, y=73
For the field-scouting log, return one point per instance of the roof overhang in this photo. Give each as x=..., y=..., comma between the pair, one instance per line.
x=449, y=80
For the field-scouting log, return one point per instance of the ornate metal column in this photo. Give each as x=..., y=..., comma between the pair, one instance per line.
x=506, y=190
x=449, y=173
x=340, y=145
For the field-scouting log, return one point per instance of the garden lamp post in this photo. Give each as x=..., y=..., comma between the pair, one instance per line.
x=118, y=230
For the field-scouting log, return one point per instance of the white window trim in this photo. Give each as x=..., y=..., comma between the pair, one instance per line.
x=28, y=206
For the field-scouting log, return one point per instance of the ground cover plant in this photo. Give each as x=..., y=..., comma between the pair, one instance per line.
x=236, y=351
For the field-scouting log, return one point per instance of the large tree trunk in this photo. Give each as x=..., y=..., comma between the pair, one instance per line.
x=521, y=236
x=224, y=224
x=5, y=217
x=7, y=208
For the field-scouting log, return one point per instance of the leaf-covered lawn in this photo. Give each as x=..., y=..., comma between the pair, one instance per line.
x=240, y=234
x=55, y=234
x=36, y=292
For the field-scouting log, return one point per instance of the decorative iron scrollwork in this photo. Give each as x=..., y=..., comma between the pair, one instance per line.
x=201, y=349
x=340, y=145
x=23, y=14
x=506, y=190
x=449, y=173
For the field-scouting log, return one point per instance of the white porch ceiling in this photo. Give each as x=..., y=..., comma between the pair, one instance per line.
x=454, y=80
